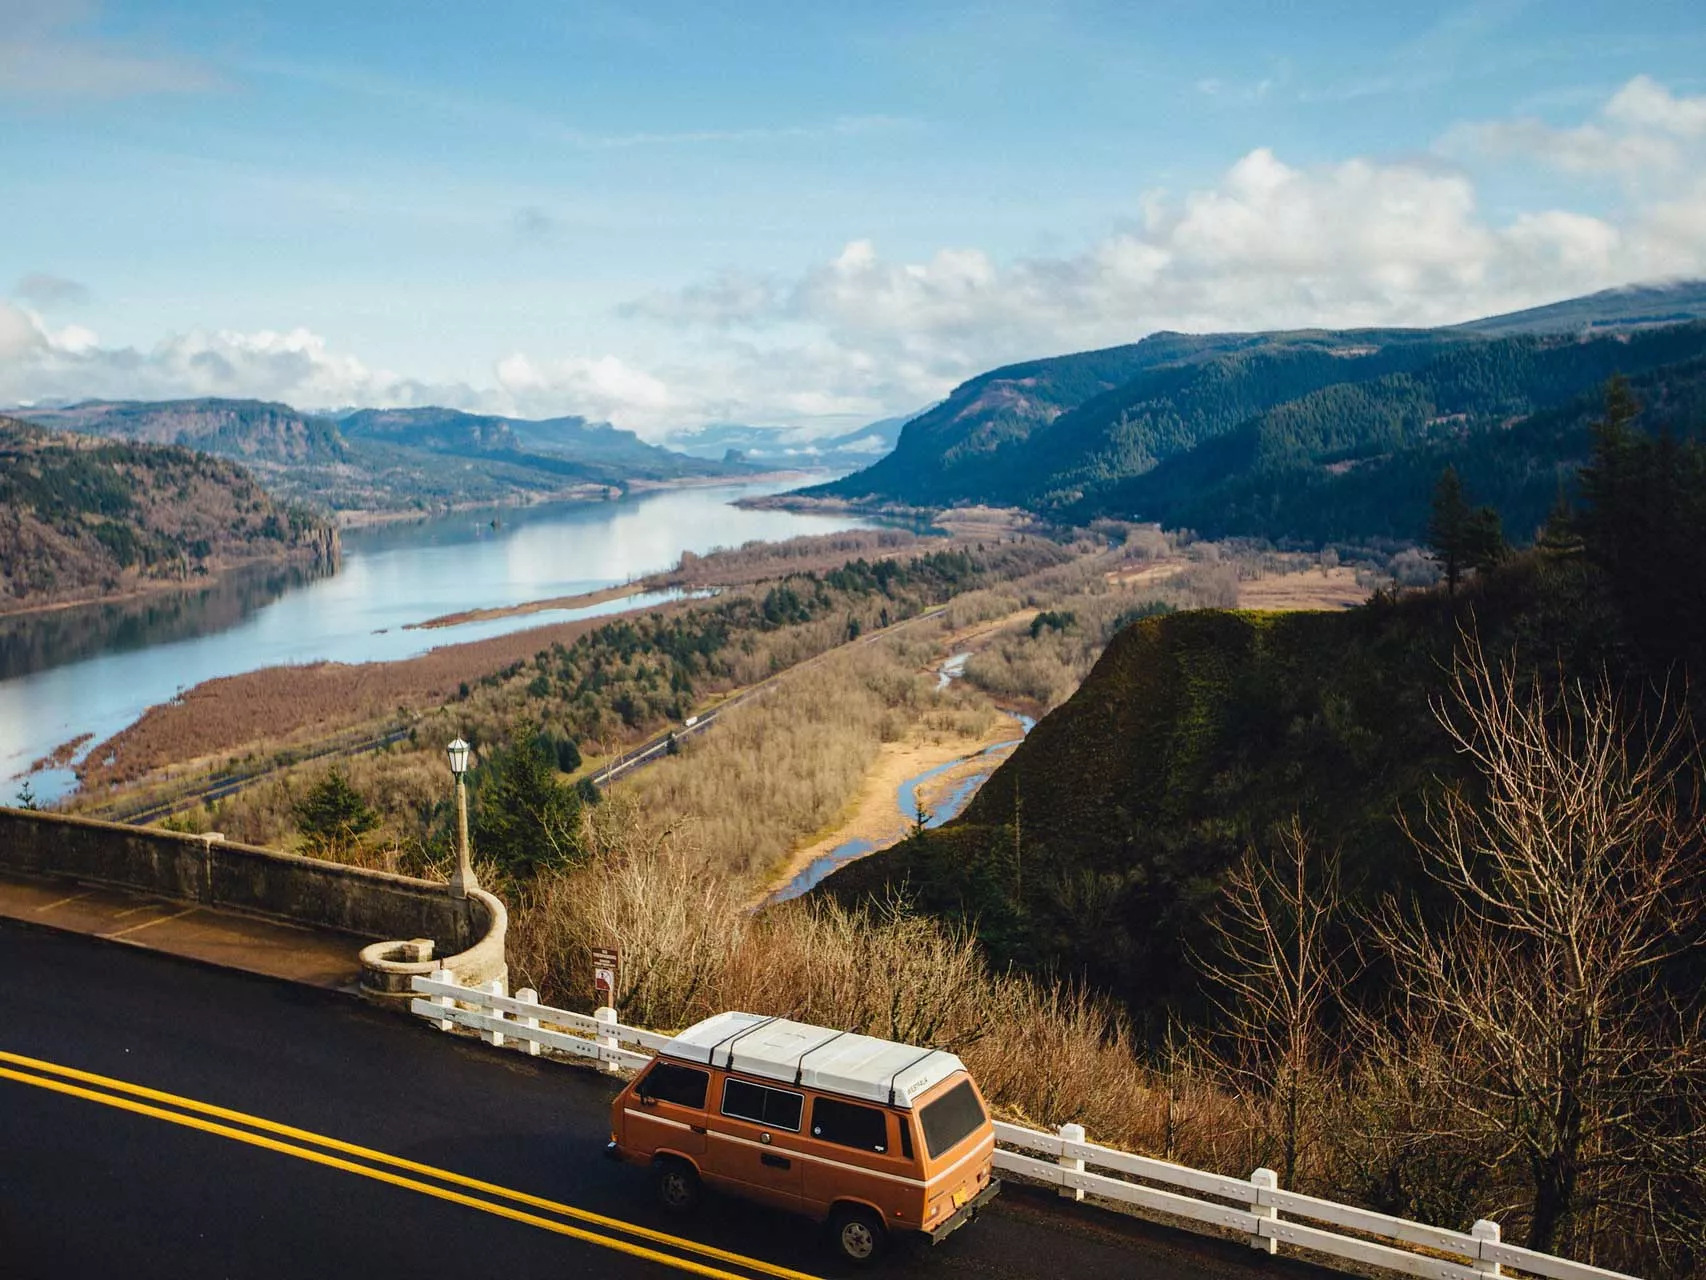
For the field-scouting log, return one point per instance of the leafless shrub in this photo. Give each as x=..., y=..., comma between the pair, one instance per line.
x=1571, y=885
x=1278, y=974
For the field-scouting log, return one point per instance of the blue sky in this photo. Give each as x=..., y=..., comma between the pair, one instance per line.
x=667, y=214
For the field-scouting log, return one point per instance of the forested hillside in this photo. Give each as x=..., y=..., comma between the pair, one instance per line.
x=1311, y=436
x=1421, y=886
x=1354, y=462
x=1101, y=846
x=81, y=518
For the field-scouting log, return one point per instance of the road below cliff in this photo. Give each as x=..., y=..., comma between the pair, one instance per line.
x=163, y=1118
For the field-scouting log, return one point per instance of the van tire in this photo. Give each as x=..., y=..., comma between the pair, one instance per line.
x=678, y=1187
x=858, y=1233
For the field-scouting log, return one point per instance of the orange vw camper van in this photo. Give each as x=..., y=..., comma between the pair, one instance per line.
x=874, y=1137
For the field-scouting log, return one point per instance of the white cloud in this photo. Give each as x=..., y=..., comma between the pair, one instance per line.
x=44, y=53
x=1269, y=245
x=39, y=362
x=861, y=335
x=1586, y=149
x=602, y=387
x=47, y=290
x=1643, y=132
x=1643, y=103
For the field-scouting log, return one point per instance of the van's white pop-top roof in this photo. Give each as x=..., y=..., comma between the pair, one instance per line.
x=797, y=1053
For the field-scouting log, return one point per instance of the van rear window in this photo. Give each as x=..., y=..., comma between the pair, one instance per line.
x=667, y=1082
x=951, y=1119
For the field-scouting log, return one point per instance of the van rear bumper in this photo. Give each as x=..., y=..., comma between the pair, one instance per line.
x=966, y=1212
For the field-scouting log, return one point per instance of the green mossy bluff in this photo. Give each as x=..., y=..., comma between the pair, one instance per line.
x=82, y=519
x=1098, y=849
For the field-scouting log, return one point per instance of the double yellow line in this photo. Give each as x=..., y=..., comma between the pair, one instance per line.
x=381, y=1167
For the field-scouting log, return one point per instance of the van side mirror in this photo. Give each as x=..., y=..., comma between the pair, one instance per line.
x=648, y=1100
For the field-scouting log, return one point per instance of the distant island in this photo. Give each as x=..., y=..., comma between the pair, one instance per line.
x=83, y=519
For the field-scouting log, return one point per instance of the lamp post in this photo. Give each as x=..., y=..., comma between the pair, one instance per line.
x=462, y=882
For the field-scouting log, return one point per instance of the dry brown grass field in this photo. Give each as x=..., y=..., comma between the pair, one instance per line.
x=1327, y=587
x=782, y=767
x=1044, y=1052
x=261, y=710
x=480, y=691
x=874, y=813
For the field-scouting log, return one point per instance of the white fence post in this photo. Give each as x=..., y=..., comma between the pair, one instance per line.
x=1487, y=1231
x=446, y=977
x=1264, y=1180
x=607, y=1039
x=1071, y=1133
x=496, y=988
x=527, y=995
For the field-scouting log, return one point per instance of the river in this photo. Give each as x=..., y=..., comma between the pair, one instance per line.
x=95, y=669
x=909, y=798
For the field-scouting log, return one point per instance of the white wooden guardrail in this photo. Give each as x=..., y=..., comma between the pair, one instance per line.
x=521, y=1022
x=1255, y=1207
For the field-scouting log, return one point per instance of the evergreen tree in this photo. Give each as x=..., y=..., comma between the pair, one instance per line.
x=568, y=755
x=524, y=816
x=1644, y=524
x=1448, y=529
x=1463, y=537
x=1560, y=535
x=1612, y=517
x=920, y=816
x=1484, y=542
x=333, y=816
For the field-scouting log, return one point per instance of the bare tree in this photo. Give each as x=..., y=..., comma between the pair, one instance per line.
x=1570, y=881
x=1278, y=973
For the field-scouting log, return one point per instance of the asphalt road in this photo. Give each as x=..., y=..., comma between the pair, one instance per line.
x=157, y=1149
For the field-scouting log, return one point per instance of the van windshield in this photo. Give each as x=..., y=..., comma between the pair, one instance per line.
x=951, y=1119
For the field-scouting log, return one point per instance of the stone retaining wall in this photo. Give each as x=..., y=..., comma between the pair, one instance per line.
x=369, y=905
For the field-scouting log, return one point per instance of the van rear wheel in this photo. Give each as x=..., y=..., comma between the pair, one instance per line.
x=678, y=1186
x=859, y=1233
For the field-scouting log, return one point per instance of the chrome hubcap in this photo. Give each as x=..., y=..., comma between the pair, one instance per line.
x=856, y=1240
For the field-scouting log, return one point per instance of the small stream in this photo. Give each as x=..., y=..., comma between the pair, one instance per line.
x=907, y=798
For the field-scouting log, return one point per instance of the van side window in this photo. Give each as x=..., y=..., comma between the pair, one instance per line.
x=848, y=1125
x=667, y=1082
x=774, y=1107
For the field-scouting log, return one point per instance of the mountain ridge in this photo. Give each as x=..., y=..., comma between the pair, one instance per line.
x=1105, y=433
x=392, y=459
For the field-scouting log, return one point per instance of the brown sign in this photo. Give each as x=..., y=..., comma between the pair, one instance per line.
x=604, y=964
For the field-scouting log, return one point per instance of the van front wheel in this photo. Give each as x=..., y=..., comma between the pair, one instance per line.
x=859, y=1233
x=678, y=1187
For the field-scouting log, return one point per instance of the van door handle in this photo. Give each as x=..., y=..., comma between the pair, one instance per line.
x=775, y=1162
x=697, y=1128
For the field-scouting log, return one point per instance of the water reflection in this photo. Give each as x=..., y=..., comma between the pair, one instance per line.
x=96, y=672
x=36, y=641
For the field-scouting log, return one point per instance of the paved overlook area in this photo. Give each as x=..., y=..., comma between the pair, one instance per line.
x=493, y=1166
